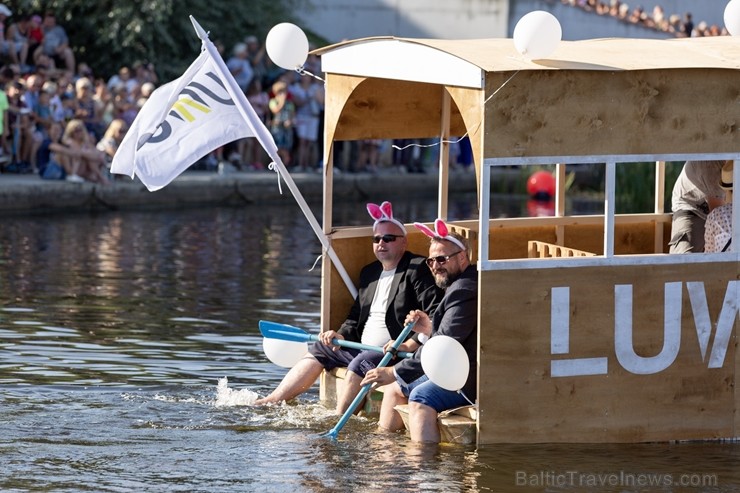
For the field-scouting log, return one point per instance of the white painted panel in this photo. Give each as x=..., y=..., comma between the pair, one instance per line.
x=401, y=60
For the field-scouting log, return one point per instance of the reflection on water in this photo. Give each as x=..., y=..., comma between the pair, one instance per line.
x=129, y=350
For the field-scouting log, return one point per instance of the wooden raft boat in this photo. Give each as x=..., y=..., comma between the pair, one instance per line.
x=589, y=331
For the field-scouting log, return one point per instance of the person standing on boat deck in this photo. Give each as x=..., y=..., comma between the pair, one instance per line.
x=456, y=316
x=695, y=194
x=397, y=282
x=718, y=231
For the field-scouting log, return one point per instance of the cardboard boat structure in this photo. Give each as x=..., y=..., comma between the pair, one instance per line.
x=589, y=331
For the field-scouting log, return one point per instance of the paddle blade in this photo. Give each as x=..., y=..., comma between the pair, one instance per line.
x=274, y=330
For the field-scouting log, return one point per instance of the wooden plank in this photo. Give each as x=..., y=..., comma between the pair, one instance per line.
x=354, y=248
x=574, y=113
x=390, y=109
x=522, y=402
x=331, y=387
x=540, y=249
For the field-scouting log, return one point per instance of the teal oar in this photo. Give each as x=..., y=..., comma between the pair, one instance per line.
x=273, y=330
x=366, y=388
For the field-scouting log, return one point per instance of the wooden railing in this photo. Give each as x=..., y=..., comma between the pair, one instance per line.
x=540, y=249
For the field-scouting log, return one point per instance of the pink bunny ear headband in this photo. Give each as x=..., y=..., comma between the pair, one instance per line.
x=384, y=213
x=441, y=233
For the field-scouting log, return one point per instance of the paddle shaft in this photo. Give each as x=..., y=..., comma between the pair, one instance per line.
x=366, y=388
x=358, y=345
x=275, y=330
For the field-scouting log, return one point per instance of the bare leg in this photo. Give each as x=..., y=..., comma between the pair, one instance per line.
x=296, y=381
x=389, y=419
x=23, y=55
x=423, y=423
x=69, y=60
x=350, y=389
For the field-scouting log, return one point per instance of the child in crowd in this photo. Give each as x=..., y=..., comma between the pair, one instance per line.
x=283, y=118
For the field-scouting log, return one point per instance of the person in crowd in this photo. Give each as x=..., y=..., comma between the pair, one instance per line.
x=252, y=153
x=84, y=161
x=688, y=25
x=84, y=70
x=47, y=66
x=308, y=98
x=56, y=43
x=695, y=193
x=718, y=231
x=51, y=154
x=122, y=80
x=43, y=111
x=456, y=317
x=7, y=46
x=24, y=140
x=6, y=75
x=87, y=109
x=35, y=33
x=369, y=155
x=112, y=139
x=256, y=56
x=17, y=36
x=144, y=73
x=396, y=283
x=282, y=109
x=147, y=88
x=239, y=66
x=34, y=84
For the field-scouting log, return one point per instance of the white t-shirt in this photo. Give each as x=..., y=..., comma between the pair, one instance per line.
x=375, y=332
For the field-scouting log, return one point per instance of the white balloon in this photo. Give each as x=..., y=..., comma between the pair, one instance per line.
x=537, y=34
x=287, y=46
x=445, y=362
x=284, y=353
x=732, y=17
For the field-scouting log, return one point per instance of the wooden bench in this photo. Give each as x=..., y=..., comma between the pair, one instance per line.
x=331, y=387
x=541, y=249
x=455, y=425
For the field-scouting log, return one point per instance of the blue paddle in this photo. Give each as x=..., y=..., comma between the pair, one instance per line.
x=334, y=432
x=273, y=330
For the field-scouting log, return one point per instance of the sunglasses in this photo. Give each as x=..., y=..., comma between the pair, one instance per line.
x=442, y=259
x=386, y=238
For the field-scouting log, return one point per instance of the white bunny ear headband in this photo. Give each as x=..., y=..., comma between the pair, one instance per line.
x=384, y=213
x=441, y=232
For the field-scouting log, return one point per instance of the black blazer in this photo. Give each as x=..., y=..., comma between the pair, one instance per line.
x=413, y=288
x=457, y=317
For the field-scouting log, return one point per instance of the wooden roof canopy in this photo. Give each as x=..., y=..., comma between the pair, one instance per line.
x=592, y=97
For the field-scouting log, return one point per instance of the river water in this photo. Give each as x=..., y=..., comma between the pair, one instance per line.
x=129, y=349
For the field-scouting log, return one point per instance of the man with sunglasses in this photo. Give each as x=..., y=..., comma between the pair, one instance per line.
x=396, y=283
x=456, y=316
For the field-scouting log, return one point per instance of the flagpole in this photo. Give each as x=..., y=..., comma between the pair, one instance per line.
x=265, y=138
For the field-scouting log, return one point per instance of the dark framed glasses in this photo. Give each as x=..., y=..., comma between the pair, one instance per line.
x=386, y=238
x=442, y=259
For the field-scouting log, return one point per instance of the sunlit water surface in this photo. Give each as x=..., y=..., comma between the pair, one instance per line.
x=129, y=355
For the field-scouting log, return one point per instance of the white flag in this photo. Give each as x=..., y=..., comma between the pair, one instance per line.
x=180, y=123
x=186, y=119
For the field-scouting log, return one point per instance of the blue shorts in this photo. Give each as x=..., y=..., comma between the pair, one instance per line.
x=356, y=361
x=424, y=391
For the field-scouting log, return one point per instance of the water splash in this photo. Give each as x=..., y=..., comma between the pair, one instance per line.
x=226, y=396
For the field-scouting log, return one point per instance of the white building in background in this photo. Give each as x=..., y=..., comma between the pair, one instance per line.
x=446, y=19
x=336, y=20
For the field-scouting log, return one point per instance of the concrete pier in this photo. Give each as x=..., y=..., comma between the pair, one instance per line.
x=29, y=194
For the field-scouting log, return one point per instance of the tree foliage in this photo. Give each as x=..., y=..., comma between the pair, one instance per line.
x=107, y=34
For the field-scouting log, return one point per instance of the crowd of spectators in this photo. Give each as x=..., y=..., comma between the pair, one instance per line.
x=679, y=25
x=61, y=120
